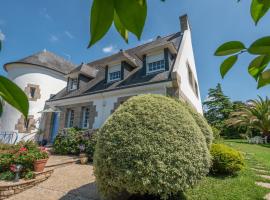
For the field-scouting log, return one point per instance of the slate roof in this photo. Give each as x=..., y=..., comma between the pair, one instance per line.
x=47, y=60
x=86, y=70
x=134, y=78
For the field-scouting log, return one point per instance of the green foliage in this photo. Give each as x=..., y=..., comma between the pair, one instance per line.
x=29, y=175
x=255, y=115
x=226, y=160
x=257, y=67
x=127, y=16
x=230, y=48
x=217, y=107
x=227, y=65
x=70, y=141
x=7, y=176
x=24, y=153
x=13, y=95
x=216, y=133
x=202, y=123
x=258, y=9
x=150, y=145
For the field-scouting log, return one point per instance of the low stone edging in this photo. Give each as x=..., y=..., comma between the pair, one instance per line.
x=8, y=189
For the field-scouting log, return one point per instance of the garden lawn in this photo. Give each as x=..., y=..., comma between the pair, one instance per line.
x=240, y=187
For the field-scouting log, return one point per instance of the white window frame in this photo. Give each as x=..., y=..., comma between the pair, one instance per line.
x=73, y=84
x=160, y=63
x=156, y=59
x=86, y=118
x=70, y=118
x=114, y=73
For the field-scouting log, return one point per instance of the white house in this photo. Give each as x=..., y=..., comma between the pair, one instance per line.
x=87, y=95
x=40, y=76
x=164, y=66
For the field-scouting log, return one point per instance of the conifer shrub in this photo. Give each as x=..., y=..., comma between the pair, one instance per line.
x=226, y=160
x=151, y=145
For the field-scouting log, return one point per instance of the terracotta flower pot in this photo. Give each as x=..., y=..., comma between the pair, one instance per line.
x=83, y=158
x=39, y=165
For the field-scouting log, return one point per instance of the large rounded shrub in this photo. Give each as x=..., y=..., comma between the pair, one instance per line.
x=202, y=123
x=150, y=145
x=226, y=160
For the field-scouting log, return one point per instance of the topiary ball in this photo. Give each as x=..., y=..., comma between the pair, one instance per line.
x=150, y=145
x=202, y=123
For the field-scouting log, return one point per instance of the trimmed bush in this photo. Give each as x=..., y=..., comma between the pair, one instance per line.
x=226, y=160
x=202, y=123
x=151, y=145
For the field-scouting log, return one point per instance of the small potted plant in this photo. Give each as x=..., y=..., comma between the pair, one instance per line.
x=83, y=156
x=40, y=159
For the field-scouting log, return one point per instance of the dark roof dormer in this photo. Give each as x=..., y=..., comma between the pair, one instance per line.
x=80, y=76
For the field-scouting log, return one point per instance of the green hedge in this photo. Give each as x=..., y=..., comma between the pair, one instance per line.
x=151, y=145
x=226, y=160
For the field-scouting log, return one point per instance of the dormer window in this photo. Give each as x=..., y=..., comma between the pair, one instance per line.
x=73, y=84
x=155, y=62
x=114, y=73
x=156, y=66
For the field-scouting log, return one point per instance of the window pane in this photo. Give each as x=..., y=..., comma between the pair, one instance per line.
x=156, y=66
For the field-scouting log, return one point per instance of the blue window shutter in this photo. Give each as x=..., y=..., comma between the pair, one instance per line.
x=68, y=84
x=166, y=58
x=122, y=69
x=106, y=74
x=144, y=65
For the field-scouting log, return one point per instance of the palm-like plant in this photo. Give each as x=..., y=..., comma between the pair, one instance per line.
x=255, y=115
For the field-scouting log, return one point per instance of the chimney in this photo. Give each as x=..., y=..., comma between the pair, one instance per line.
x=184, y=23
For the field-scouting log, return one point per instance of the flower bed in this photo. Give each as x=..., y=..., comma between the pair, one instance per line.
x=20, y=157
x=75, y=141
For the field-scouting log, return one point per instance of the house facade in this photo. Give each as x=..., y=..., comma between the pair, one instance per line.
x=94, y=90
x=39, y=75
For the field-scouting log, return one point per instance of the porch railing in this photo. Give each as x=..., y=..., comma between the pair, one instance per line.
x=8, y=137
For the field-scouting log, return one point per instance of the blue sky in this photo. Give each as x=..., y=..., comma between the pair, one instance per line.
x=62, y=26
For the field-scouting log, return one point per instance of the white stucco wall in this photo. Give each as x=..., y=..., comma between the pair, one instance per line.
x=185, y=55
x=104, y=102
x=50, y=82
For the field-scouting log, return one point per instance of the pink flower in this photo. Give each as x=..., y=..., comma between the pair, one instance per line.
x=22, y=149
x=12, y=168
x=43, y=149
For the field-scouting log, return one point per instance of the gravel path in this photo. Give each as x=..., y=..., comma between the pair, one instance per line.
x=72, y=182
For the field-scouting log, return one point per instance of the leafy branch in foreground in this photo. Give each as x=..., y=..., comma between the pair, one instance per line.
x=128, y=16
x=257, y=67
x=261, y=47
x=13, y=95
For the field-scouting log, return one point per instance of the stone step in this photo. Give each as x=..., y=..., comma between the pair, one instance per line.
x=60, y=161
x=263, y=184
x=264, y=176
x=267, y=197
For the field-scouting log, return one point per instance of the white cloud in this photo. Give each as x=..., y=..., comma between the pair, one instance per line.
x=110, y=49
x=53, y=38
x=2, y=36
x=69, y=34
x=45, y=14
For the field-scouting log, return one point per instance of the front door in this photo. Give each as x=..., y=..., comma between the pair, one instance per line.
x=55, y=125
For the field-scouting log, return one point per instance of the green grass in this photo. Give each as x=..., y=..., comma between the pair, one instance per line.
x=240, y=187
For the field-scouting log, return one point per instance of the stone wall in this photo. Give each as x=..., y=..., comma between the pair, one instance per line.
x=8, y=189
x=78, y=114
x=119, y=101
